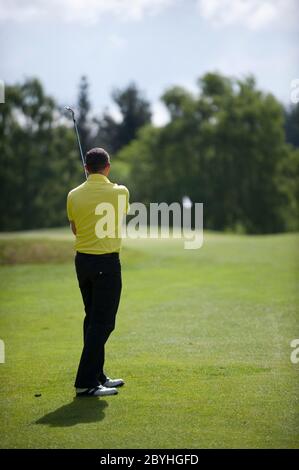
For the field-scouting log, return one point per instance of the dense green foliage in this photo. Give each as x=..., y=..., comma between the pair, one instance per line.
x=231, y=147
x=84, y=118
x=226, y=148
x=135, y=113
x=39, y=160
x=292, y=125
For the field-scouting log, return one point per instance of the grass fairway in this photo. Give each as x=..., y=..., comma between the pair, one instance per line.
x=202, y=340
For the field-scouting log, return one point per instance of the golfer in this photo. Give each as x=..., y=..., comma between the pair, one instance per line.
x=97, y=266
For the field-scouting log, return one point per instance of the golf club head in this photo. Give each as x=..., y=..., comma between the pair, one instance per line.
x=68, y=108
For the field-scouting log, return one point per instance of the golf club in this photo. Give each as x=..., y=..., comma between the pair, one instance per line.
x=68, y=108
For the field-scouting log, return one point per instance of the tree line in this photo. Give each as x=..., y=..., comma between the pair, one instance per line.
x=230, y=146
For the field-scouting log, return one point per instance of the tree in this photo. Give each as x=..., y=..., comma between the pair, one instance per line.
x=39, y=160
x=224, y=147
x=292, y=125
x=83, y=121
x=135, y=113
x=247, y=144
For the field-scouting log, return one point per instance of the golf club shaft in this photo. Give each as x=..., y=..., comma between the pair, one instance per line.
x=68, y=108
x=79, y=144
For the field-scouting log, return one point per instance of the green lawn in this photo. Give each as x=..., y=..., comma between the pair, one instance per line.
x=202, y=340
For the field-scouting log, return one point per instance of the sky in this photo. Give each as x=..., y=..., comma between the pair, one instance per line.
x=155, y=43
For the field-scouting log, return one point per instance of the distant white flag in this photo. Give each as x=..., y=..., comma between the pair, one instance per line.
x=187, y=203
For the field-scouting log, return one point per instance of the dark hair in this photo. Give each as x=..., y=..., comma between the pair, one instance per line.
x=96, y=159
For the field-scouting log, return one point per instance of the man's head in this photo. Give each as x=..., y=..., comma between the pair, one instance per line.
x=97, y=160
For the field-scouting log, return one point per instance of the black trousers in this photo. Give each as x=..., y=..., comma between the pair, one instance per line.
x=99, y=278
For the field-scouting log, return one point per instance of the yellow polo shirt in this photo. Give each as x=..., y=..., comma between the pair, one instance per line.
x=97, y=208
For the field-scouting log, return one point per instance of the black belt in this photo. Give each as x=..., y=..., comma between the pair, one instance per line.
x=113, y=255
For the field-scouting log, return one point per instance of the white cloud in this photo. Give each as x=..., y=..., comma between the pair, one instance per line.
x=253, y=14
x=81, y=11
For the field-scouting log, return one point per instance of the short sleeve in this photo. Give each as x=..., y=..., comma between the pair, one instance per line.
x=125, y=204
x=127, y=201
x=69, y=208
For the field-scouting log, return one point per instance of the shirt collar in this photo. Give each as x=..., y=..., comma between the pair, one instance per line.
x=97, y=177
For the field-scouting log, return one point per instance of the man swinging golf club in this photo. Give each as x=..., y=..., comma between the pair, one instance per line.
x=97, y=266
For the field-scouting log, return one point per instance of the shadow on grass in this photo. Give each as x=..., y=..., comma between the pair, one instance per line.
x=80, y=410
